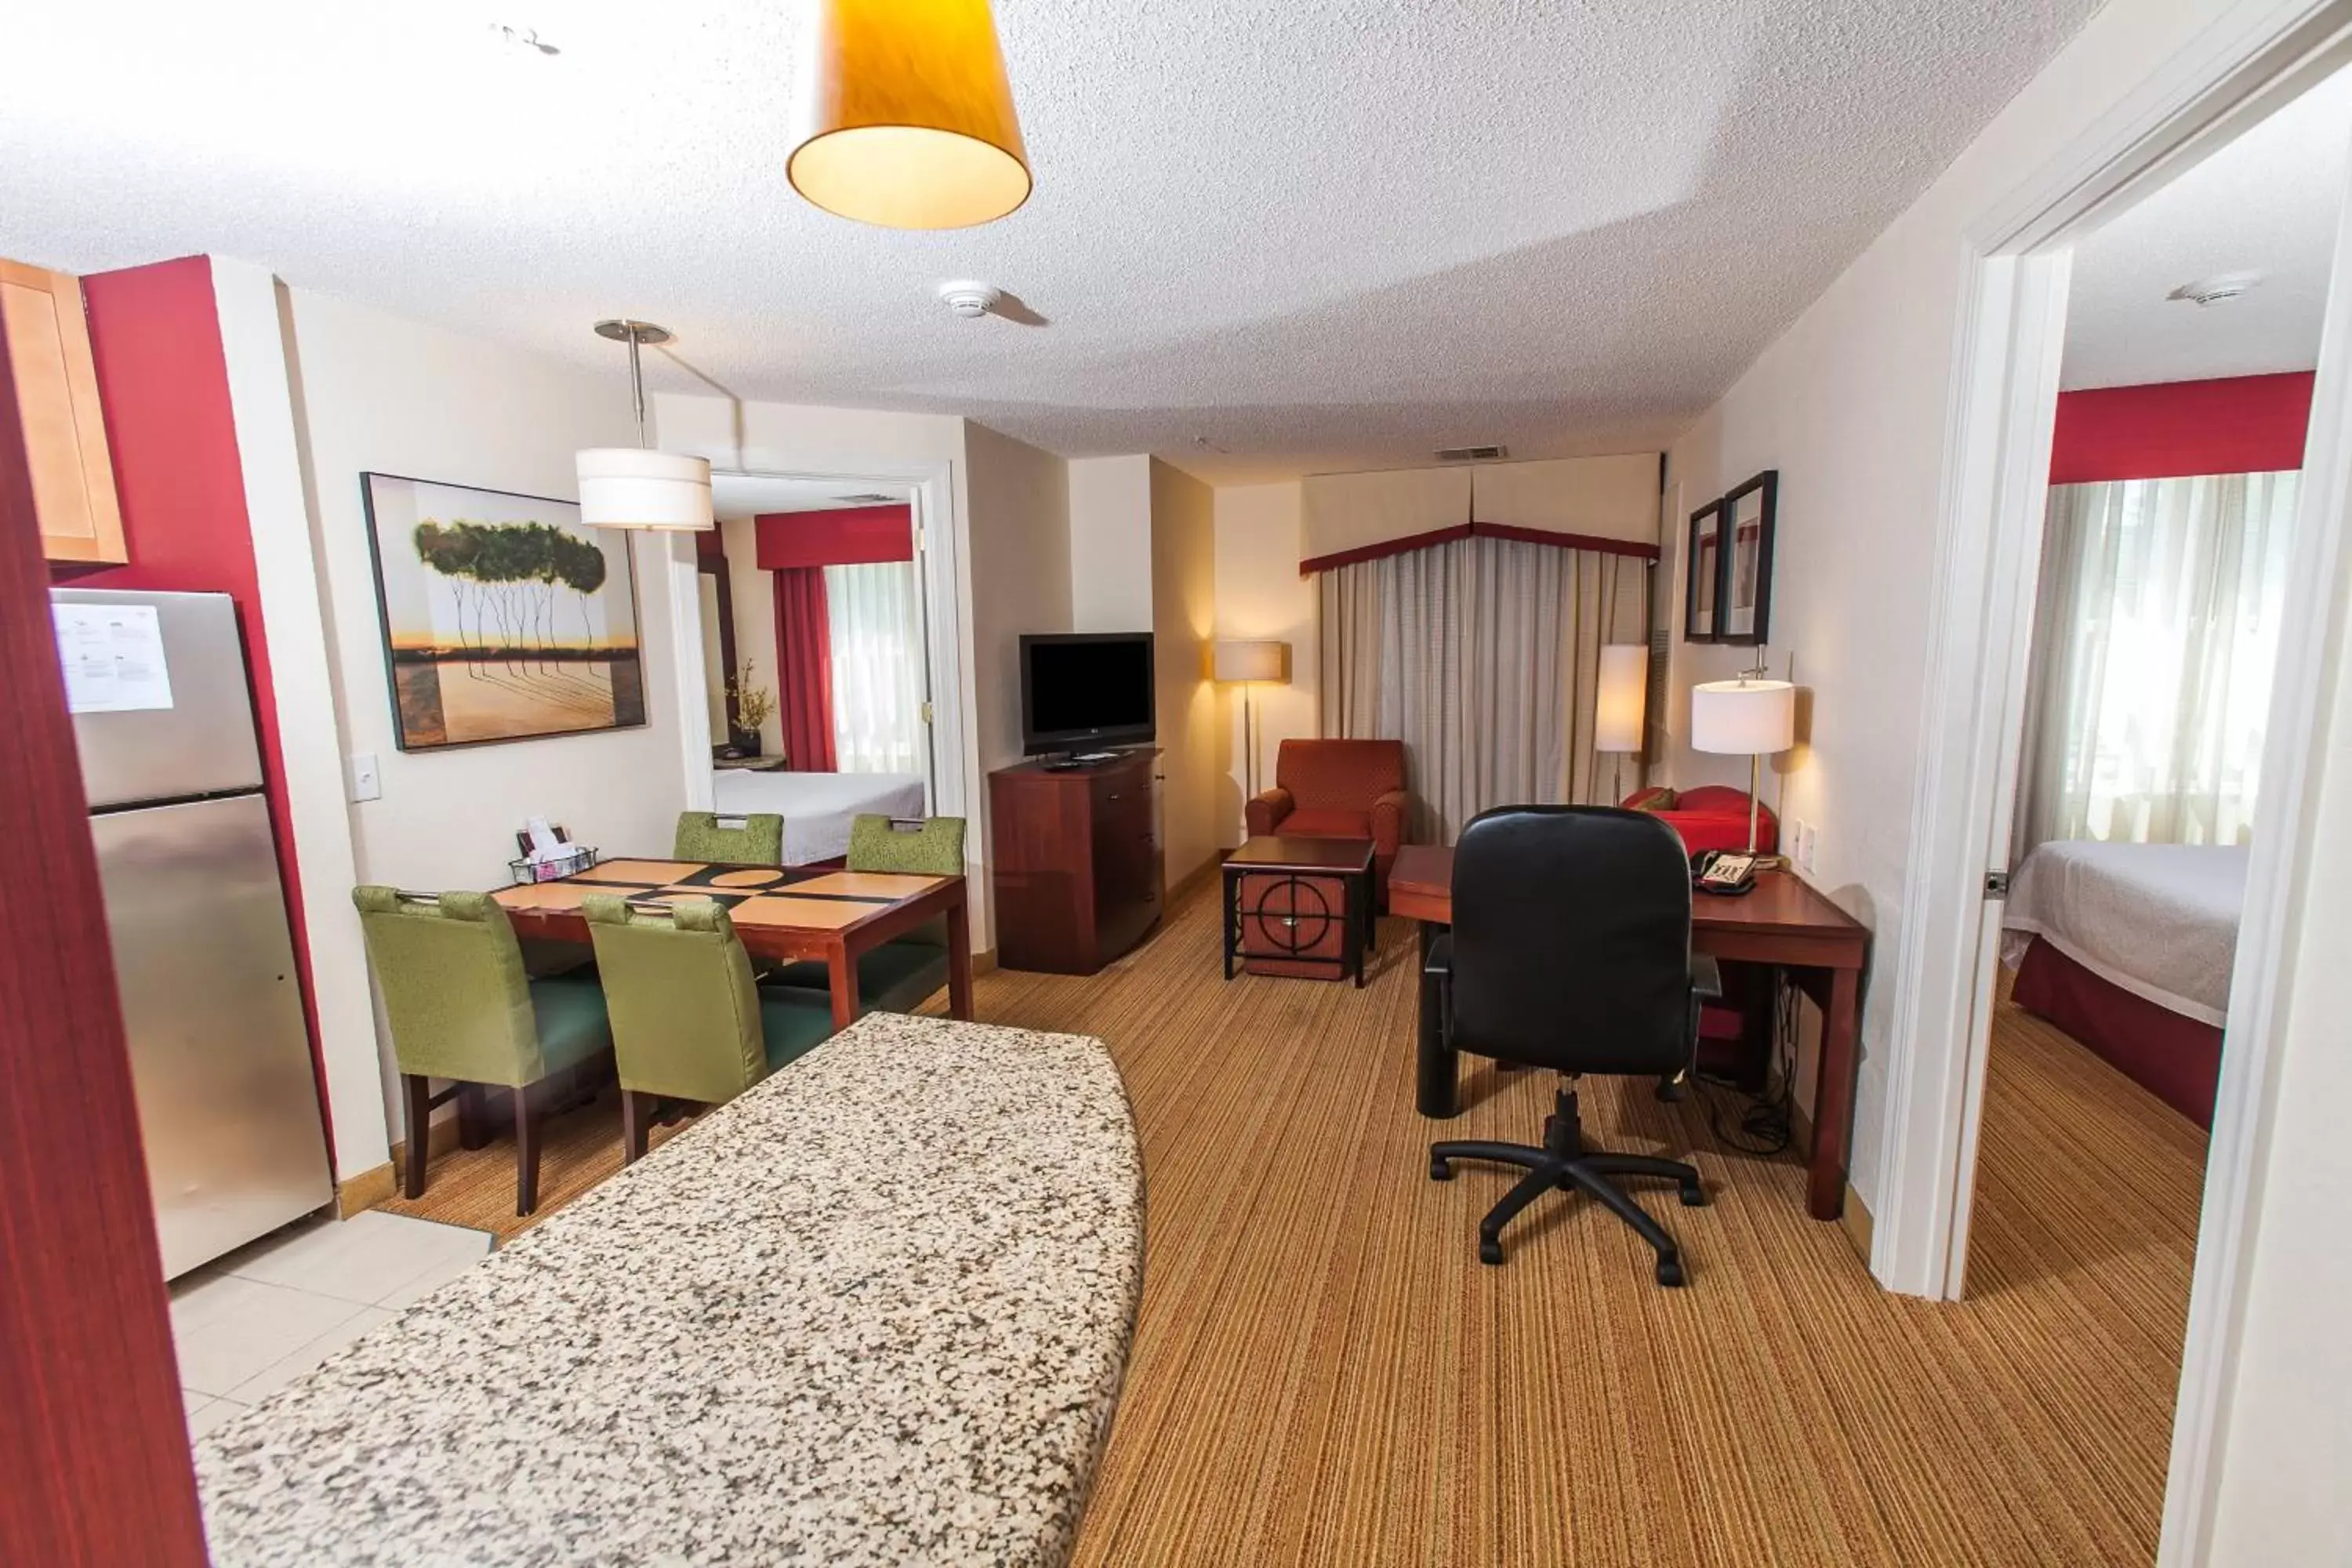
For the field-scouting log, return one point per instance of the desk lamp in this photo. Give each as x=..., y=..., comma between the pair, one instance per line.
x=1751, y=716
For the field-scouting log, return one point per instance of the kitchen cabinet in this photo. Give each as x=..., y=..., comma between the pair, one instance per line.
x=65, y=429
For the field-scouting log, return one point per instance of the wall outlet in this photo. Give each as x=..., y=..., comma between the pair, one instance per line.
x=365, y=782
x=1806, y=835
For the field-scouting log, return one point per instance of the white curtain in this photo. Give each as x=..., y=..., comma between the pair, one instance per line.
x=877, y=667
x=2155, y=635
x=1483, y=656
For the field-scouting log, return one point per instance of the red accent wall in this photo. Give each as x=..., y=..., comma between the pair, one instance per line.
x=93, y=1446
x=2237, y=424
x=162, y=379
x=853, y=536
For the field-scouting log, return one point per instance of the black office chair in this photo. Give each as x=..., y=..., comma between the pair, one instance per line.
x=1570, y=950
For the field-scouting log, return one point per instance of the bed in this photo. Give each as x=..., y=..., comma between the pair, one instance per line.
x=816, y=807
x=2128, y=948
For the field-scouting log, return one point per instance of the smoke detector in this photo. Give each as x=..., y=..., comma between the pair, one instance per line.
x=971, y=300
x=2218, y=290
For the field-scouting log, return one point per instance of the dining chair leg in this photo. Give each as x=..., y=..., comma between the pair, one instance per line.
x=526, y=1149
x=635, y=1110
x=473, y=1118
x=417, y=1091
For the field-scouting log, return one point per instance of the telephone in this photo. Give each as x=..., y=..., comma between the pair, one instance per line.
x=1723, y=871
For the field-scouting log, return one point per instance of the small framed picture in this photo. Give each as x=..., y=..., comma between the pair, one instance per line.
x=1744, y=602
x=1704, y=585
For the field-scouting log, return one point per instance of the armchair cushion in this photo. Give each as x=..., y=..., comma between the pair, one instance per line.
x=1712, y=817
x=1328, y=824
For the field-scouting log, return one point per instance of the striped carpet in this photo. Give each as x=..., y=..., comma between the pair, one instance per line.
x=1324, y=1374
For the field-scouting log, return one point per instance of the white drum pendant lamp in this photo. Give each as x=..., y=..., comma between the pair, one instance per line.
x=903, y=118
x=636, y=487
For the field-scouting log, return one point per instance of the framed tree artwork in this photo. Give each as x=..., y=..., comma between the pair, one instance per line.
x=504, y=618
x=1744, y=601
x=1702, y=584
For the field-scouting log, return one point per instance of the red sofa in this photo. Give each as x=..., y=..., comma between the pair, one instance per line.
x=1337, y=789
x=1714, y=816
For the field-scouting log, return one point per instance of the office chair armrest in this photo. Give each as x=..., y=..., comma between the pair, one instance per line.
x=1706, y=977
x=1440, y=961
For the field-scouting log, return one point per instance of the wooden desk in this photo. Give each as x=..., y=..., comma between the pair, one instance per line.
x=782, y=912
x=1783, y=922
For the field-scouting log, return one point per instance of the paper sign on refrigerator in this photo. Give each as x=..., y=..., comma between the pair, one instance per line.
x=113, y=658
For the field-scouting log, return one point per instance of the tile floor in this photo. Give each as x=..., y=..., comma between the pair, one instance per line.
x=250, y=1323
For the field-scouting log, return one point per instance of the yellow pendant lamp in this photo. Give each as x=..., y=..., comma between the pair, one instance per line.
x=904, y=117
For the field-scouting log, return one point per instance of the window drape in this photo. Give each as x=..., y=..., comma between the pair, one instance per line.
x=877, y=667
x=2155, y=636
x=1483, y=656
x=804, y=669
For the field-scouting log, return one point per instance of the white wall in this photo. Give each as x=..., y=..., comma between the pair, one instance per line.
x=1849, y=404
x=376, y=391
x=1260, y=595
x=1020, y=577
x=1183, y=556
x=1110, y=544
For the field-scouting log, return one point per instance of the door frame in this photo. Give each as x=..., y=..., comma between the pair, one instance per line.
x=931, y=496
x=2003, y=403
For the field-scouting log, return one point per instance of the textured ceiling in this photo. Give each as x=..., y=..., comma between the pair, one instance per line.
x=1267, y=239
x=2266, y=203
x=748, y=495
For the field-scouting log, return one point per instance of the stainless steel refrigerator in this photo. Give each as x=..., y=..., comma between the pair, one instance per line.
x=228, y=1103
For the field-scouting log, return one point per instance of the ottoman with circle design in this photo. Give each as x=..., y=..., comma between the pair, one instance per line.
x=1300, y=907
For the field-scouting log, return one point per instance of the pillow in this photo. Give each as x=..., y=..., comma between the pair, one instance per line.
x=1656, y=799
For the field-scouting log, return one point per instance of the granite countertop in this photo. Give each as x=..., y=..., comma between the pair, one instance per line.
x=877, y=1310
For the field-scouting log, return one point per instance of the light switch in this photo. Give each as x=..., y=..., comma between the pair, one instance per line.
x=366, y=784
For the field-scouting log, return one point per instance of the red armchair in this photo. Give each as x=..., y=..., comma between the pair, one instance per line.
x=1714, y=816
x=1339, y=789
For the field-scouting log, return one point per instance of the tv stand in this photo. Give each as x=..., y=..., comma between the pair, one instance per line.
x=1070, y=762
x=1078, y=864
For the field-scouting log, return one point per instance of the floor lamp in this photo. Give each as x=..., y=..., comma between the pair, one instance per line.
x=1246, y=662
x=1617, y=709
x=1747, y=717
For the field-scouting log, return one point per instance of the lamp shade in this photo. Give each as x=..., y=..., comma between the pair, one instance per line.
x=904, y=116
x=1743, y=718
x=1617, y=709
x=626, y=486
x=1251, y=660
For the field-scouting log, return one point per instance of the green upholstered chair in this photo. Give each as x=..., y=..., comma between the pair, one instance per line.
x=754, y=840
x=901, y=973
x=462, y=1007
x=688, y=1023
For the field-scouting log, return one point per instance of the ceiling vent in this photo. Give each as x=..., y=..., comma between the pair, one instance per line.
x=869, y=498
x=2217, y=290
x=1472, y=454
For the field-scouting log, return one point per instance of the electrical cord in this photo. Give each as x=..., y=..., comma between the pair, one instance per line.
x=1764, y=1125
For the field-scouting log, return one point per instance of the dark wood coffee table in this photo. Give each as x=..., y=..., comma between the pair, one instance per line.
x=1301, y=872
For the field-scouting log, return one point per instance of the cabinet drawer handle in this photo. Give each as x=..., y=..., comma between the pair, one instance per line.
x=1112, y=795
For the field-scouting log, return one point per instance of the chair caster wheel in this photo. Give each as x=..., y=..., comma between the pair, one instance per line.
x=1694, y=1197
x=1489, y=1250
x=1670, y=1091
x=1441, y=1171
x=1670, y=1271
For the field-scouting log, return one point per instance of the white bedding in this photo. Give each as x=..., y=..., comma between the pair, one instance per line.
x=816, y=807
x=2159, y=920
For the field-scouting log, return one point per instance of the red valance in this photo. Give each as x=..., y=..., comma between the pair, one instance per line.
x=1437, y=536
x=2171, y=429
x=853, y=536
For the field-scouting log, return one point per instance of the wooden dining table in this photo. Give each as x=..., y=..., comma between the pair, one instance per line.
x=782, y=912
x=1784, y=921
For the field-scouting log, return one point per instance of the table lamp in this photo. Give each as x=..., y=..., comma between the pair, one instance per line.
x=1617, y=708
x=1747, y=717
x=1248, y=661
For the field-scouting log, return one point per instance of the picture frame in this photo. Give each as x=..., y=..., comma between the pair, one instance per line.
x=1744, y=600
x=1702, y=582
x=503, y=618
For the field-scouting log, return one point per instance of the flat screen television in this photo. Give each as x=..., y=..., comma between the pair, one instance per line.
x=1083, y=691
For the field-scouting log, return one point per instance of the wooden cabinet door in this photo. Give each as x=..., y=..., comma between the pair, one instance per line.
x=65, y=430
